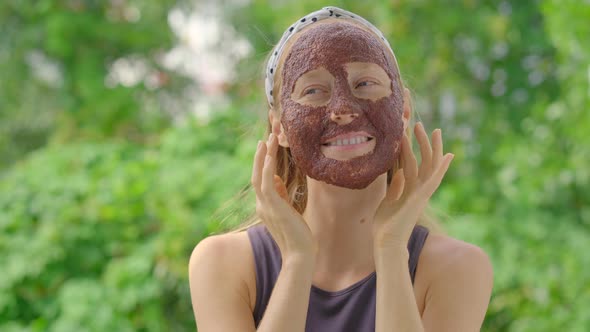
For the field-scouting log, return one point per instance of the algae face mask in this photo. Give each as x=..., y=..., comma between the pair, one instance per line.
x=332, y=46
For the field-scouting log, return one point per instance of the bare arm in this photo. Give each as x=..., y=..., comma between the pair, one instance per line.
x=459, y=292
x=396, y=305
x=456, y=300
x=220, y=296
x=287, y=308
x=218, y=291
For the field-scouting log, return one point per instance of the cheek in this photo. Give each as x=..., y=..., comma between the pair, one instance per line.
x=301, y=122
x=384, y=114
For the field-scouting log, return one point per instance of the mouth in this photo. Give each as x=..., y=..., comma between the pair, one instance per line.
x=352, y=138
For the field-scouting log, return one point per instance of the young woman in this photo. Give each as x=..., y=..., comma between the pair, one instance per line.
x=339, y=194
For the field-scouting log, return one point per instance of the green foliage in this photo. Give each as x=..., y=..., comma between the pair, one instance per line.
x=55, y=58
x=96, y=236
x=97, y=227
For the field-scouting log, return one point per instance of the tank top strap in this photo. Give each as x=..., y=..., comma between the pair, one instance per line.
x=268, y=262
x=415, y=244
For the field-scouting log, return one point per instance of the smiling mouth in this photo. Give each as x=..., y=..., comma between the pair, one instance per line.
x=349, y=141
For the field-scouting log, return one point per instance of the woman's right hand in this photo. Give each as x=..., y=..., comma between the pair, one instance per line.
x=285, y=224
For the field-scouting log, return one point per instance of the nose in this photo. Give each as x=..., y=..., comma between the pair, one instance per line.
x=343, y=118
x=344, y=107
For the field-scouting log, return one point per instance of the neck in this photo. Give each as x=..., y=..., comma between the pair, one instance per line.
x=341, y=220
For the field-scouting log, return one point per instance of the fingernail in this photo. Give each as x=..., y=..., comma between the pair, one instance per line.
x=270, y=137
x=259, y=143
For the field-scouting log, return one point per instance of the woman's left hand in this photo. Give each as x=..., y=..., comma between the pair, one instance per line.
x=410, y=190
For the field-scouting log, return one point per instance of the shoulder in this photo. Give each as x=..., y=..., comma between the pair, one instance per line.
x=446, y=255
x=225, y=258
x=459, y=278
x=217, y=247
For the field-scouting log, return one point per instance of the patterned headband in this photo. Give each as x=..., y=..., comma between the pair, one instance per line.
x=308, y=19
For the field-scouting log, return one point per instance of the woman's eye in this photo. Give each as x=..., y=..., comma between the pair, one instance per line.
x=310, y=91
x=365, y=83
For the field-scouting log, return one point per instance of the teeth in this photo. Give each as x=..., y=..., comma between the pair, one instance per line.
x=349, y=141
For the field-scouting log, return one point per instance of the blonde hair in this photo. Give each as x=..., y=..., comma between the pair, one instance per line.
x=294, y=179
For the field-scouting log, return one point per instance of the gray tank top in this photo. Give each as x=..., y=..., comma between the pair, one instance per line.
x=350, y=309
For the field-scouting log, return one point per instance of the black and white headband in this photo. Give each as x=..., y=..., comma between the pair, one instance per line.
x=326, y=12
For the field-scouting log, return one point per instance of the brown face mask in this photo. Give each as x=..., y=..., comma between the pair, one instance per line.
x=331, y=46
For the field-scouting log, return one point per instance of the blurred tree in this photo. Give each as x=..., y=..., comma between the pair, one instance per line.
x=96, y=236
x=96, y=233
x=75, y=69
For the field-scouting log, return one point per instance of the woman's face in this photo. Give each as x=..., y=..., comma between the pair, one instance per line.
x=316, y=88
x=341, y=105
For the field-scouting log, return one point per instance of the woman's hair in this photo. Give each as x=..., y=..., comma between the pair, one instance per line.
x=294, y=179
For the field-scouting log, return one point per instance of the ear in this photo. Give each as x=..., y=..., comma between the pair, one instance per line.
x=277, y=128
x=407, y=115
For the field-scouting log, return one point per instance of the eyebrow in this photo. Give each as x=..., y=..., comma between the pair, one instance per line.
x=378, y=73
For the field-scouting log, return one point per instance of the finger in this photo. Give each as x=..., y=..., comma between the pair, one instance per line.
x=273, y=144
x=425, y=150
x=434, y=182
x=396, y=188
x=444, y=166
x=437, y=148
x=409, y=162
x=268, y=170
x=256, y=179
x=281, y=188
